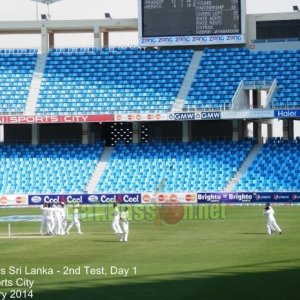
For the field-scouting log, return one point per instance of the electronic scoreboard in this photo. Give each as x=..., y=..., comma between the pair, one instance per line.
x=191, y=22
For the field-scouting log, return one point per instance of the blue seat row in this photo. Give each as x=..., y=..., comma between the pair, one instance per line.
x=47, y=168
x=274, y=169
x=187, y=166
x=88, y=80
x=16, y=70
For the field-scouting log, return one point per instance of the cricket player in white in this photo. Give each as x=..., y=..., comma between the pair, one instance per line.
x=116, y=221
x=57, y=219
x=76, y=220
x=43, y=218
x=63, y=212
x=124, y=218
x=271, y=222
x=50, y=219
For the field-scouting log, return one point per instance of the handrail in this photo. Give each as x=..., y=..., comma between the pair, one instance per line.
x=235, y=97
x=271, y=92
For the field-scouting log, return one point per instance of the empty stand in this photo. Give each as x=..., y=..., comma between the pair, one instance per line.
x=16, y=70
x=53, y=168
x=221, y=71
x=276, y=168
x=102, y=81
x=193, y=166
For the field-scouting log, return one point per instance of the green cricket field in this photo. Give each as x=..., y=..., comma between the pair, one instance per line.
x=200, y=253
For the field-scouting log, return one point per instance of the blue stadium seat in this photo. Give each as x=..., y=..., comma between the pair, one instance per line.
x=192, y=164
x=47, y=168
x=274, y=169
x=112, y=79
x=228, y=66
x=16, y=70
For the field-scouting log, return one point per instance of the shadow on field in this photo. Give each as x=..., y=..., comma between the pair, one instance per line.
x=281, y=284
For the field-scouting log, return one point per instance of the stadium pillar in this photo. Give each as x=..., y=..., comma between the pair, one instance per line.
x=257, y=132
x=106, y=39
x=97, y=37
x=51, y=39
x=1, y=133
x=85, y=133
x=186, y=131
x=136, y=132
x=270, y=130
x=288, y=129
x=35, y=134
x=44, y=37
x=246, y=129
x=238, y=130
x=256, y=99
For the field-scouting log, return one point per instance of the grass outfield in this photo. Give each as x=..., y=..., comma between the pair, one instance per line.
x=228, y=258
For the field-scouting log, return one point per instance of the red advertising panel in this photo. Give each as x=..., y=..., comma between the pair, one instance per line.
x=56, y=119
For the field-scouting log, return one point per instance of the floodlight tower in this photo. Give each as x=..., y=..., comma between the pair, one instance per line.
x=48, y=2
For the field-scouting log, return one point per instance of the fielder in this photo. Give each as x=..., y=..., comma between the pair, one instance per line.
x=116, y=221
x=272, y=225
x=124, y=218
x=63, y=212
x=76, y=220
x=50, y=219
x=43, y=218
x=57, y=220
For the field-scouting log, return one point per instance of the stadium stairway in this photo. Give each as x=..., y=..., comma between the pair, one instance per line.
x=187, y=81
x=35, y=84
x=245, y=165
x=99, y=169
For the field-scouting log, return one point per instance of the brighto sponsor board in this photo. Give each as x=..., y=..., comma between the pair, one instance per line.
x=209, y=197
x=240, y=197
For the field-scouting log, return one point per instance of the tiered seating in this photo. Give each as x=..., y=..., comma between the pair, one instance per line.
x=194, y=166
x=102, y=81
x=47, y=168
x=221, y=71
x=276, y=168
x=16, y=70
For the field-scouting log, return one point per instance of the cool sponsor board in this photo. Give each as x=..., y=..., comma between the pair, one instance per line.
x=56, y=199
x=249, y=197
x=120, y=198
x=84, y=198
